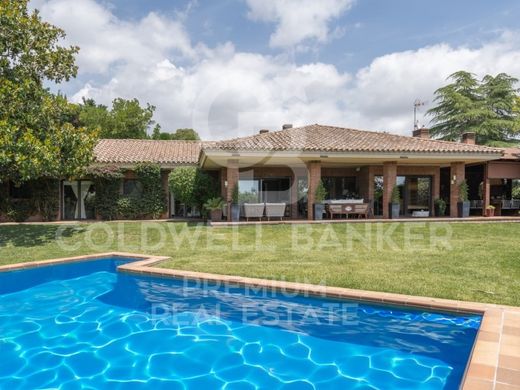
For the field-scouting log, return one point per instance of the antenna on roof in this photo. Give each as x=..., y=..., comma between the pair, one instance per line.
x=416, y=104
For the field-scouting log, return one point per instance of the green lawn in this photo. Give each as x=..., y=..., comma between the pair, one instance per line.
x=476, y=262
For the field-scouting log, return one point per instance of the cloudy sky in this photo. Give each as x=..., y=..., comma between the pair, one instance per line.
x=231, y=67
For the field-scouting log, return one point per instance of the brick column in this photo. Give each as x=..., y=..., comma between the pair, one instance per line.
x=486, y=189
x=223, y=178
x=294, y=195
x=232, y=176
x=389, y=181
x=436, y=189
x=313, y=178
x=457, y=176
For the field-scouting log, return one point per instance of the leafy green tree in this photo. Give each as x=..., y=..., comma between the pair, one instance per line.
x=502, y=121
x=489, y=107
x=191, y=186
x=36, y=137
x=95, y=116
x=180, y=134
x=126, y=119
x=185, y=134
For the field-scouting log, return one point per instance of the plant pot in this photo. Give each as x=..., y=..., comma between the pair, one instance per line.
x=319, y=209
x=490, y=212
x=463, y=209
x=394, y=210
x=235, y=212
x=439, y=212
x=215, y=215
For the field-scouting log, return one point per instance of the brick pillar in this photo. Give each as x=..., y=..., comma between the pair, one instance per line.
x=223, y=178
x=486, y=189
x=389, y=181
x=436, y=183
x=313, y=178
x=457, y=176
x=294, y=195
x=232, y=176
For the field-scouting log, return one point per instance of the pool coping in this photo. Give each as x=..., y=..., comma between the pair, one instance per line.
x=494, y=362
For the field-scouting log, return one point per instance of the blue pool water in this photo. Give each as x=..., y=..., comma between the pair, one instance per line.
x=85, y=325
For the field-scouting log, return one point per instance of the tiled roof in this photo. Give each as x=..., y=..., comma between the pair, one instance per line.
x=511, y=154
x=138, y=150
x=319, y=138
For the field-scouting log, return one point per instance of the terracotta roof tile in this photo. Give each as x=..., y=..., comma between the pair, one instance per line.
x=138, y=150
x=321, y=138
x=511, y=153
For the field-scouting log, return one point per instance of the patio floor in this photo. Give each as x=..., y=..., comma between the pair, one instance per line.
x=288, y=221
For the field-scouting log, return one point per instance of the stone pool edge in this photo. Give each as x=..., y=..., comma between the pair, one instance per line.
x=493, y=364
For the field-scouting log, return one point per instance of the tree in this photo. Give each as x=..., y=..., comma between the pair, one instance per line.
x=488, y=107
x=126, y=119
x=36, y=138
x=502, y=121
x=185, y=134
x=180, y=134
x=191, y=186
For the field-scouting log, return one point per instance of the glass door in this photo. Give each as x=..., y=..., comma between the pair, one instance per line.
x=78, y=196
x=418, y=194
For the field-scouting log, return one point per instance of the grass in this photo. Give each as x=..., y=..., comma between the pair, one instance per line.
x=473, y=262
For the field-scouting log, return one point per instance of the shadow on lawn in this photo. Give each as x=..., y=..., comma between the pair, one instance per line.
x=32, y=235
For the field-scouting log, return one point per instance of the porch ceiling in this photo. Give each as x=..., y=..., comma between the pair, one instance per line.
x=248, y=159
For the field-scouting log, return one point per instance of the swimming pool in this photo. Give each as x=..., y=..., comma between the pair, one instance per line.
x=84, y=324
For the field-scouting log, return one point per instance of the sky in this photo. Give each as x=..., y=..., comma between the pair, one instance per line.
x=228, y=68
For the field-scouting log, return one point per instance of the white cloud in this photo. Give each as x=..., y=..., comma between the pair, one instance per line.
x=105, y=40
x=224, y=93
x=383, y=93
x=298, y=21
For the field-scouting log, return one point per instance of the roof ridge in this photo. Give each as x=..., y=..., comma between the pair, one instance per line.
x=150, y=140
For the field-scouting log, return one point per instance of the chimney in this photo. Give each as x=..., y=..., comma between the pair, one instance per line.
x=287, y=126
x=423, y=132
x=263, y=131
x=468, y=138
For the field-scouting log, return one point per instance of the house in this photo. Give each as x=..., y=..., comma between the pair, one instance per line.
x=287, y=166
x=355, y=163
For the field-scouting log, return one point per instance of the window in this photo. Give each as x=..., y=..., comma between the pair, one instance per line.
x=340, y=187
x=132, y=187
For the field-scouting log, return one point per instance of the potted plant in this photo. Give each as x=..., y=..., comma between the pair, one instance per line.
x=395, y=203
x=440, y=207
x=319, y=197
x=235, y=206
x=490, y=211
x=214, y=206
x=463, y=203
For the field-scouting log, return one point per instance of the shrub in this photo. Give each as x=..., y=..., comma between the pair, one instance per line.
x=45, y=195
x=321, y=193
x=396, y=195
x=128, y=207
x=107, y=181
x=463, y=191
x=20, y=210
x=214, y=204
x=191, y=186
x=153, y=199
x=440, y=204
x=235, y=195
x=516, y=191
